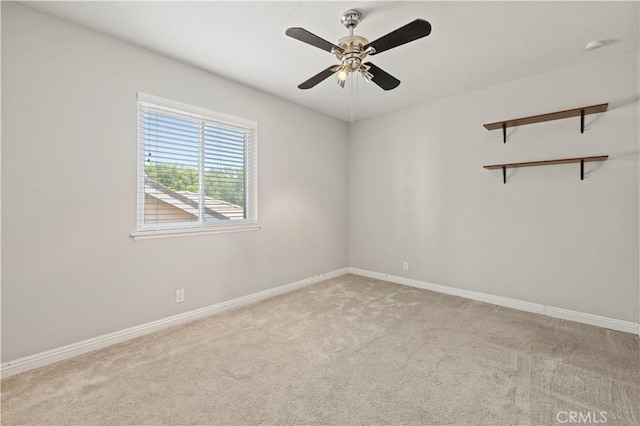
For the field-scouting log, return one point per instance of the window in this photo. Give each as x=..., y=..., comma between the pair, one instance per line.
x=196, y=170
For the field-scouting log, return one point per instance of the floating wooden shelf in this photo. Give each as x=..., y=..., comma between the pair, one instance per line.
x=558, y=115
x=548, y=162
x=580, y=160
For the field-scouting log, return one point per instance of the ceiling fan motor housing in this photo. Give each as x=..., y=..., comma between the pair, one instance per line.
x=352, y=48
x=352, y=41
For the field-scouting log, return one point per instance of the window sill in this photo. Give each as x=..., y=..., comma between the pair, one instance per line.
x=170, y=233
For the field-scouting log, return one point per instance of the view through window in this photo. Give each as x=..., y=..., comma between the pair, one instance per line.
x=197, y=171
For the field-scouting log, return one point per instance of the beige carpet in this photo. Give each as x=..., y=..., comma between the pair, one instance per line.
x=347, y=351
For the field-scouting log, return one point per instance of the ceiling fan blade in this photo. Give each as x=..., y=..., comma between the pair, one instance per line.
x=382, y=78
x=410, y=32
x=321, y=76
x=310, y=38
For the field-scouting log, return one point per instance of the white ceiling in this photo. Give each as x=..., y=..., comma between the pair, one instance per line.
x=472, y=45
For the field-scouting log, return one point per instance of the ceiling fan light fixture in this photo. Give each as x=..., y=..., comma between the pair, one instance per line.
x=366, y=74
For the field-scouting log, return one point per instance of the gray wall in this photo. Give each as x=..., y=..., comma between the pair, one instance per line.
x=418, y=192
x=69, y=269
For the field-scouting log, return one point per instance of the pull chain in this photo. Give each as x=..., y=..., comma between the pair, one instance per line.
x=352, y=77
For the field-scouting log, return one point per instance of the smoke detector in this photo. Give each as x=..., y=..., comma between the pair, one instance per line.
x=593, y=45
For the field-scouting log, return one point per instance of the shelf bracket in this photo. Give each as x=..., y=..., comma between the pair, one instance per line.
x=581, y=169
x=504, y=132
x=504, y=174
x=581, y=121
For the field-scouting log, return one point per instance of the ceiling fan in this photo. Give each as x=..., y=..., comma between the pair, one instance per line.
x=352, y=50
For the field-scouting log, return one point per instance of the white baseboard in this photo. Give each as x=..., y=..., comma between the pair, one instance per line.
x=54, y=355
x=605, y=322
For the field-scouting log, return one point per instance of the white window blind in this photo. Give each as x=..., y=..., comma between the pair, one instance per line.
x=196, y=168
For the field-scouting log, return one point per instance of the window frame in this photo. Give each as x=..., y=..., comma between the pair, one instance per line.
x=203, y=115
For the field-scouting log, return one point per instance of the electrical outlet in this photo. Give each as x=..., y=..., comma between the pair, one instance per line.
x=180, y=295
x=405, y=266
